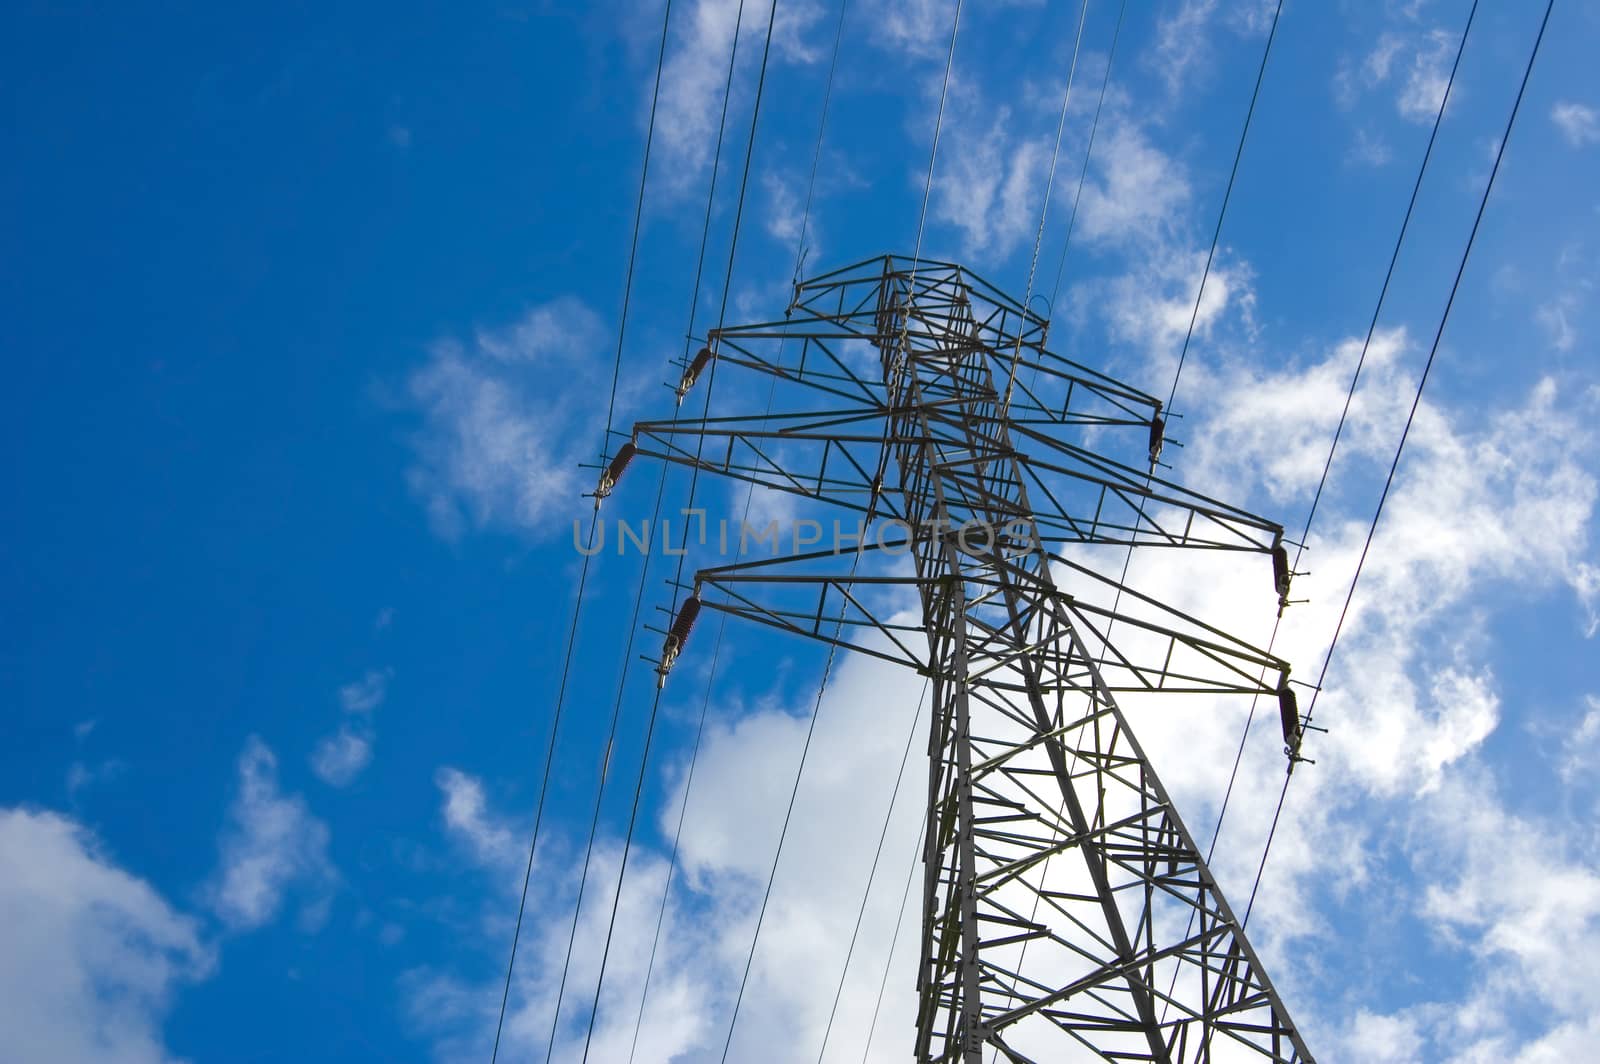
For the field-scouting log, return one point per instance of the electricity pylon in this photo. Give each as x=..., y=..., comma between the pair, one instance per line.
x=1066, y=910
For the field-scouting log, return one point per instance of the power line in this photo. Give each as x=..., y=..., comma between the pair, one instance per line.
x=1227, y=194
x=1416, y=401
x=872, y=875
x=1049, y=185
x=1244, y=735
x=822, y=125
x=716, y=652
x=1216, y=234
x=1094, y=127
x=1349, y=397
x=694, y=300
x=577, y=606
x=733, y=245
x=688, y=790
x=938, y=127
x=899, y=919
x=783, y=833
x=822, y=685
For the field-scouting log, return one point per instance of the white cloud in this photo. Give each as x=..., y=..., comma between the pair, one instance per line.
x=1526, y=900
x=466, y=814
x=1182, y=52
x=741, y=788
x=1578, y=123
x=1369, y=149
x=691, y=92
x=696, y=70
x=270, y=846
x=367, y=693
x=784, y=211
x=1373, y=69
x=990, y=184
x=1136, y=204
x=81, y=775
x=1555, y=317
x=90, y=955
x=1380, y=61
x=497, y=449
x=1427, y=78
x=1181, y=44
x=1417, y=61
x=1382, y=1039
x=1155, y=306
x=1409, y=700
x=1585, y=580
x=1581, y=743
x=920, y=28
x=1252, y=19
x=339, y=758
x=1279, y=437
x=459, y=1014
x=1136, y=191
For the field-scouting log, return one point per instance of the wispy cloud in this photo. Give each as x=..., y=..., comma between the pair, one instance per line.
x=1135, y=191
x=1427, y=78
x=1181, y=43
x=1578, y=123
x=784, y=210
x=1138, y=206
x=491, y=840
x=339, y=758
x=81, y=775
x=1369, y=149
x=366, y=694
x=1416, y=63
x=498, y=449
x=270, y=847
x=919, y=28
x=1555, y=316
x=991, y=185
x=1585, y=580
x=696, y=70
x=1182, y=53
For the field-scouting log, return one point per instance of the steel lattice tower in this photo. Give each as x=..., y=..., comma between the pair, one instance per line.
x=1132, y=953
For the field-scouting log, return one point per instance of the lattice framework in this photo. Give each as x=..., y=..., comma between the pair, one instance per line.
x=1132, y=952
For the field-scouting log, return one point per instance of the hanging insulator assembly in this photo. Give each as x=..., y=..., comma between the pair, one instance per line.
x=677, y=636
x=1281, y=573
x=1289, y=712
x=613, y=472
x=1158, y=437
x=692, y=374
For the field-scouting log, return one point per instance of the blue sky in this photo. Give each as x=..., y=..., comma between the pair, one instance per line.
x=313, y=310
